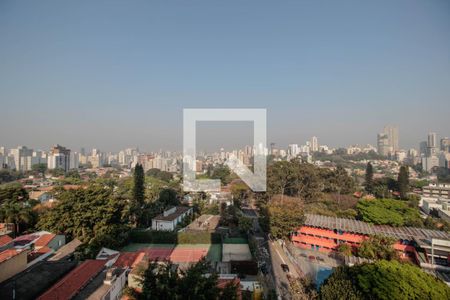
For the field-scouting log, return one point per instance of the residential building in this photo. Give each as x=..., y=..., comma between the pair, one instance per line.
x=22, y=158
x=34, y=280
x=432, y=147
x=73, y=283
x=12, y=262
x=314, y=144
x=170, y=218
x=383, y=144
x=430, y=162
x=59, y=158
x=437, y=191
x=445, y=144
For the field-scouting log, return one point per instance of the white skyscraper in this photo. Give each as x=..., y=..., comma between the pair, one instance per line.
x=314, y=144
x=22, y=158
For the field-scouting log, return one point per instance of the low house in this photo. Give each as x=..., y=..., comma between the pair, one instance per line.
x=5, y=242
x=35, y=280
x=12, y=262
x=169, y=219
x=41, y=196
x=75, y=281
x=66, y=252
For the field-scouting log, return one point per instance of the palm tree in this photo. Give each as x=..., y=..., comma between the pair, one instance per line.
x=17, y=213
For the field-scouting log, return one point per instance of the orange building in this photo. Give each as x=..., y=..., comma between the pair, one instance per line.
x=325, y=234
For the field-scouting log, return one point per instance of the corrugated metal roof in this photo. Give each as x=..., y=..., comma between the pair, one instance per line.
x=361, y=227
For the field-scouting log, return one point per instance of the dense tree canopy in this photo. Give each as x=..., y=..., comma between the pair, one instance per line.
x=93, y=215
x=383, y=280
x=162, y=175
x=162, y=280
x=378, y=247
x=306, y=181
x=16, y=207
x=282, y=215
x=388, y=212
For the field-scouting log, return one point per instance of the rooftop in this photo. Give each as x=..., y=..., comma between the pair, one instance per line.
x=360, y=227
x=178, y=211
x=8, y=254
x=4, y=240
x=35, y=280
x=44, y=240
x=65, y=250
x=72, y=283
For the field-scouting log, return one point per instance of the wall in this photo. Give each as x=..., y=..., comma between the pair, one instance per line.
x=13, y=266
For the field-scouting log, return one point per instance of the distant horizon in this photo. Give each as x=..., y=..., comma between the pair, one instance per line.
x=111, y=75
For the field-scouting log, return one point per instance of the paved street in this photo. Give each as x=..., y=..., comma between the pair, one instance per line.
x=278, y=257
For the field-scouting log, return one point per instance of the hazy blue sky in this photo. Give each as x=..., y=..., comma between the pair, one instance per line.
x=113, y=74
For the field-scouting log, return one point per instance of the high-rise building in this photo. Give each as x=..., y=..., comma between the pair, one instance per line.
x=59, y=158
x=445, y=144
x=22, y=158
x=432, y=144
x=392, y=132
x=383, y=144
x=293, y=150
x=314, y=144
x=387, y=141
x=423, y=146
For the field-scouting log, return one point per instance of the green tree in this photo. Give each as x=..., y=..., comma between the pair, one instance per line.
x=388, y=212
x=93, y=215
x=161, y=175
x=383, y=280
x=281, y=216
x=13, y=191
x=18, y=212
x=369, y=178
x=221, y=172
x=245, y=224
x=403, y=182
x=168, y=197
x=162, y=280
x=340, y=286
x=138, y=193
x=345, y=249
x=39, y=168
x=378, y=247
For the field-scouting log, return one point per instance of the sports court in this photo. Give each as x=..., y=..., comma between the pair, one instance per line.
x=182, y=253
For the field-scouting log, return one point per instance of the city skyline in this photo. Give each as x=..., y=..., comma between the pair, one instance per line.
x=120, y=75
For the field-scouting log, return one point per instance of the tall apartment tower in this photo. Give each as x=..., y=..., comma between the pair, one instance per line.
x=22, y=158
x=392, y=132
x=445, y=144
x=383, y=144
x=387, y=141
x=314, y=144
x=432, y=144
x=59, y=158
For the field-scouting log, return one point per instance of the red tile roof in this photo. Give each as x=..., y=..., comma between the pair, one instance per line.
x=7, y=254
x=73, y=282
x=126, y=259
x=4, y=240
x=44, y=240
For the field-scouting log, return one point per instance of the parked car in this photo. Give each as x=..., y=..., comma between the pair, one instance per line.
x=285, y=268
x=311, y=257
x=303, y=255
x=320, y=259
